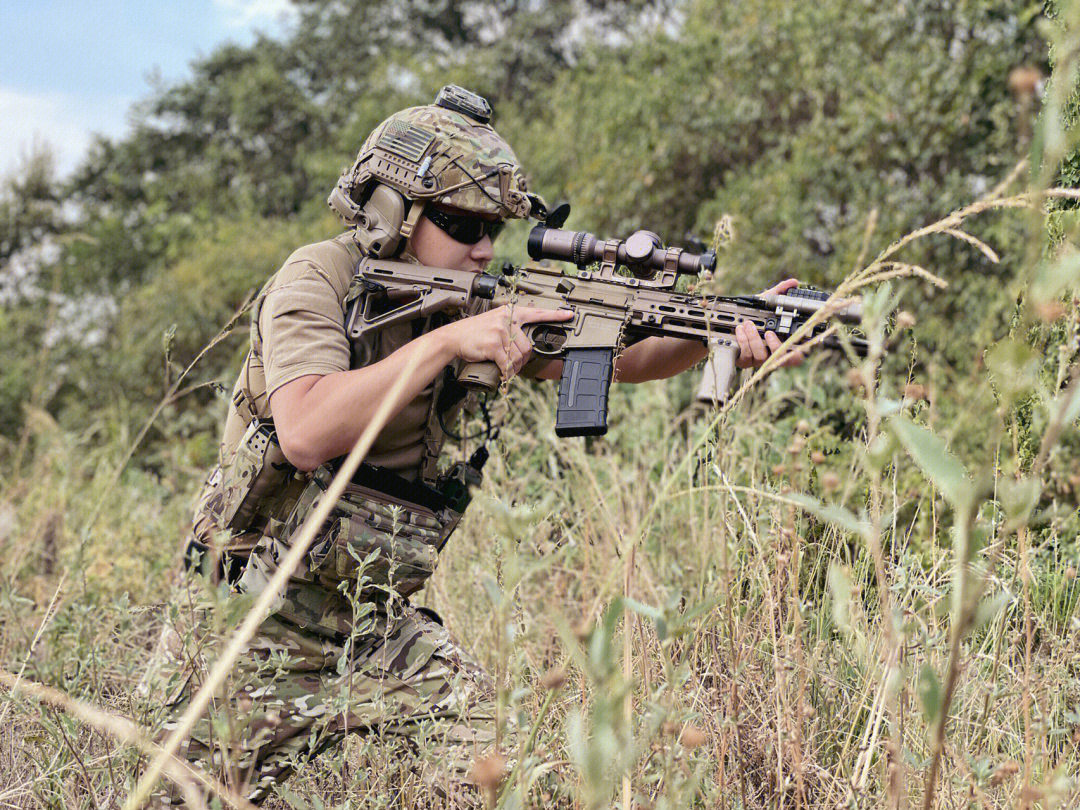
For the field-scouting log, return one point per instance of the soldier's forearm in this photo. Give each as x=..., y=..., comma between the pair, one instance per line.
x=656, y=358
x=320, y=418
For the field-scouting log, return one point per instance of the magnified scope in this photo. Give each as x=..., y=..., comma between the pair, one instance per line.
x=642, y=252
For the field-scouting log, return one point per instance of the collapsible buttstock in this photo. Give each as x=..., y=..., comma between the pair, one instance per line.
x=483, y=376
x=583, y=393
x=719, y=373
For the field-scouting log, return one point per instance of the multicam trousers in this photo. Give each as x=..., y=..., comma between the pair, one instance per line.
x=297, y=692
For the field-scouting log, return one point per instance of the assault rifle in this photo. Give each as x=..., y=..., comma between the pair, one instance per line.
x=611, y=310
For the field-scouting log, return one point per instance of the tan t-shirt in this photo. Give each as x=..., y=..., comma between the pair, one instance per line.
x=301, y=331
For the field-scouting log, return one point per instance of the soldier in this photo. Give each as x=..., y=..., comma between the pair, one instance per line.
x=344, y=651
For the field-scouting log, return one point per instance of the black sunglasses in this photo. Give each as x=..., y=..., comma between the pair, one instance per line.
x=465, y=228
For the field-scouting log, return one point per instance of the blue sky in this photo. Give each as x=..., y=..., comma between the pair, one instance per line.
x=68, y=69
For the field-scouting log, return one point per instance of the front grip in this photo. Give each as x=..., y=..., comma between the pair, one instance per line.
x=583, y=392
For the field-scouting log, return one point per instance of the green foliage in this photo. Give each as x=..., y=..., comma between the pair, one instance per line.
x=759, y=572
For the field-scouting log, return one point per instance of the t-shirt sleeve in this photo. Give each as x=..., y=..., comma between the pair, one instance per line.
x=301, y=323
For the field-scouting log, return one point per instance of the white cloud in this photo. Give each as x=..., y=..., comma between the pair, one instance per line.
x=249, y=13
x=64, y=121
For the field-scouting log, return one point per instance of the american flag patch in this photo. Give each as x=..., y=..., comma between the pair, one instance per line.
x=406, y=140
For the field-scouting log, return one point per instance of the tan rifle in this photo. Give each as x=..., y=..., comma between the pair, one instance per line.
x=612, y=310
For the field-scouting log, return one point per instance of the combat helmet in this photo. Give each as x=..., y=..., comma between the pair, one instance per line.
x=445, y=152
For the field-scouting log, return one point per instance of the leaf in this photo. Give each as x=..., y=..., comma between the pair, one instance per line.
x=1018, y=497
x=832, y=513
x=990, y=607
x=1014, y=365
x=930, y=693
x=939, y=465
x=1056, y=278
x=840, y=585
x=649, y=612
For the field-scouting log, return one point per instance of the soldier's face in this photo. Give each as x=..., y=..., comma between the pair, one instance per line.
x=434, y=247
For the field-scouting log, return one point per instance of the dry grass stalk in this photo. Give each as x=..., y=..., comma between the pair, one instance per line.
x=127, y=733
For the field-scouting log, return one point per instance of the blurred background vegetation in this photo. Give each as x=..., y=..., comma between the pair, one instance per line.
x=824, y=131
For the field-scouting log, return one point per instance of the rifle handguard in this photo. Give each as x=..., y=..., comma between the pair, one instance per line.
x=484, y=376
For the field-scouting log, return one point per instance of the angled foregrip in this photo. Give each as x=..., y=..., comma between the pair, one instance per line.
x=482, y=376
x=583, y=393
x=719, y=373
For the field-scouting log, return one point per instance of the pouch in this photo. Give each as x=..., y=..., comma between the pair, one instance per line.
x=394, y=546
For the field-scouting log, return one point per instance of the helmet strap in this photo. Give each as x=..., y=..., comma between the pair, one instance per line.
x=415, y=210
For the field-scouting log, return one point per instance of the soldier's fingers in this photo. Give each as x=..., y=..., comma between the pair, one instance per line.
x=792, y=358
x=522, y=343
x=757, y=345
x=746, y=355
x=502, y=360
x=535, y=314
x=782, y=287
x=516, y=359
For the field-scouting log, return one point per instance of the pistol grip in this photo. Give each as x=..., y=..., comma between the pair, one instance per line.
x=583, y=393
x=483, y=376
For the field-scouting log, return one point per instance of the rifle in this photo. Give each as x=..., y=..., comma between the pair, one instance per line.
x=611, y=310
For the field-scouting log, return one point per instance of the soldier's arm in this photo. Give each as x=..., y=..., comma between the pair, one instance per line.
x=321, y=417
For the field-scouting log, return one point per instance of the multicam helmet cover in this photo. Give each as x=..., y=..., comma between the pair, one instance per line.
x=445, y=152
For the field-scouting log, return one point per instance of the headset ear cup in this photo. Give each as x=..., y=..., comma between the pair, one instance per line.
x=378, y=230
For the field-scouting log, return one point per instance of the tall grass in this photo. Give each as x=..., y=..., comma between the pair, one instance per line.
x=856, y=587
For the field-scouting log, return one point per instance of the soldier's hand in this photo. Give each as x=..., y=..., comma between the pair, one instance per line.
x=753, y=350
x=496, y=336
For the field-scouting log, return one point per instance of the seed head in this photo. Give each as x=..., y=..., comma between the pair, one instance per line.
x=904, y=319
x=830, y=481
x=916, y=392
x=817, y=457
x=1070, y=572
x=692, y=737
x=488, y=771
x=855, y=380
x=1024, y=80
x=1003, y=772
x=554, y=678
x=1049, y=311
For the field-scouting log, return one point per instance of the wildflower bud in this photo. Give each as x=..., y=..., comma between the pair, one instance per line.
x=802, y=427
x=1024, y=80
x=1070, y=572
x=488, y=772
x=916, y=392
x=1003, y=772
x=904, y=319
x=779, y=469
x=817, y=457
x=830, y=481
x=796, y=446
x=1049, y=311
x=855, y=380
x=692, y=737
x=554, y=678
